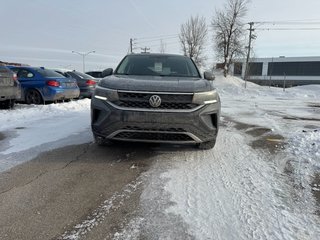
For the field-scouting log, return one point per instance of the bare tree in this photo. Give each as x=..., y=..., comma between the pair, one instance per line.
x=229, y=31
x=163, y=46
x=192, y=37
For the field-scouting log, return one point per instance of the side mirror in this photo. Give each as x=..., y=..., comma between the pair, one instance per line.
x=106, y=72
x=208, y=76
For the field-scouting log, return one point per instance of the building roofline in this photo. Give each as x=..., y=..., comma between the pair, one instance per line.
x=281, y=59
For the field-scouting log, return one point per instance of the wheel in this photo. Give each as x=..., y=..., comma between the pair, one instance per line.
x=100, y=141
x=207, y=145
x=7, y=104
x=33, y=97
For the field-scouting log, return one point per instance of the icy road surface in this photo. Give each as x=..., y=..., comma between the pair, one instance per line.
x=261, y=181
x=231, y=192
x=257, y=183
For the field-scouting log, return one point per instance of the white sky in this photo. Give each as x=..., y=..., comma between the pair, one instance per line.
x=44, y=32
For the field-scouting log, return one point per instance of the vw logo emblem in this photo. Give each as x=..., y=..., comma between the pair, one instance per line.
x=155, y=101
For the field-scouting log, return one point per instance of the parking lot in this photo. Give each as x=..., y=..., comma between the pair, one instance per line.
x=57, y=184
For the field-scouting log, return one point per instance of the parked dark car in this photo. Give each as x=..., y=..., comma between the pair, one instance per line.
x=9, y=88
x=156, y=98
x=95, y=74
x=86, y=83
x=40, y=85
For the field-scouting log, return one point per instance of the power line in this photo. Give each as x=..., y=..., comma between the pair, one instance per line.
x=154, y=40
x=145, y=49
x=287, y=29
x=135, y=43
x=166, y=43
x=159, y=36
x=289, y=22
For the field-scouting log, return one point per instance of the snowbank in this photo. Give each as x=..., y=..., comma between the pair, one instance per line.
x=28, y=126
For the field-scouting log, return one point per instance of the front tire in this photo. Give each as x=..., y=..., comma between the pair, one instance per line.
x=33, y=97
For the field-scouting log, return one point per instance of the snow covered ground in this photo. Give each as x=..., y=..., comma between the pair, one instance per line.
x=242, y=192
x=29, y=130
x=259, y=182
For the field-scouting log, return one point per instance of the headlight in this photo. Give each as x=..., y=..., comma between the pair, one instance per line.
x=106, y=94
x=205, y=97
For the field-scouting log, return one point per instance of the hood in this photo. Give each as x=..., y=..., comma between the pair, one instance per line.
x=156, y=83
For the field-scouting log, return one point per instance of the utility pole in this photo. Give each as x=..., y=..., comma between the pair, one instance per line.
x=271, y=68
x=284, y=81
x=131, y=43
x=83, y=55
x=251, y=36
x=145, y=49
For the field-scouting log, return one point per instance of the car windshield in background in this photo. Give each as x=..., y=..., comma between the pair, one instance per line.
x=49, y=73
x=151, y=65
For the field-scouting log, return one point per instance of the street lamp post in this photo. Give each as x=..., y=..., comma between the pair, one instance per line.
x=83, y=55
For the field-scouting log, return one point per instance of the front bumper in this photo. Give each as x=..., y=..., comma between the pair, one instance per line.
x=110, y=122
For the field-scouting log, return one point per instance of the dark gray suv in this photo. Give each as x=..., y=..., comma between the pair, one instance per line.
x=156, y=98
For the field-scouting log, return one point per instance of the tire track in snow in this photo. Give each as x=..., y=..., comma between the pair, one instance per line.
x=248, y=205
x=231, y=193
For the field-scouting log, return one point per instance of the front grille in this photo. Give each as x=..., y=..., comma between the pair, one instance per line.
x=168, y=101
x=146, y=105
x=151, y=136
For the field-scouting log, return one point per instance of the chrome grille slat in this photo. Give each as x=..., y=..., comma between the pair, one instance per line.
x=158, y=135
x=154, y=136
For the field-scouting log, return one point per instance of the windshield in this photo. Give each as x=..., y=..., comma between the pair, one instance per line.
x=151, y=65
x=48, y=73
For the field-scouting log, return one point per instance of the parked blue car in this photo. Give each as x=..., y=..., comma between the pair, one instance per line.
x=40, y=85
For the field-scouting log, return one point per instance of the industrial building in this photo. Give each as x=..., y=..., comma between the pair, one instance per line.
x=280, y=71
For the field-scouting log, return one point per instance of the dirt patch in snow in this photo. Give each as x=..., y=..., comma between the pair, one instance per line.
x=253, y=130
x=263, y=137
x=258, y=131
x=272, y=142
x=243, y=126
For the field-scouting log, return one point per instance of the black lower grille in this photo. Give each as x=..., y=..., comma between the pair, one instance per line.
x=153, y=136
x=135, y=128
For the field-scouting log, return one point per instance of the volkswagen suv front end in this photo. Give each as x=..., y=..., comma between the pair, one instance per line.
x=156, y=98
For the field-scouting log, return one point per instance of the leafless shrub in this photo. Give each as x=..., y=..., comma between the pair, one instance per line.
x=192, y=37
x=228, y=28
